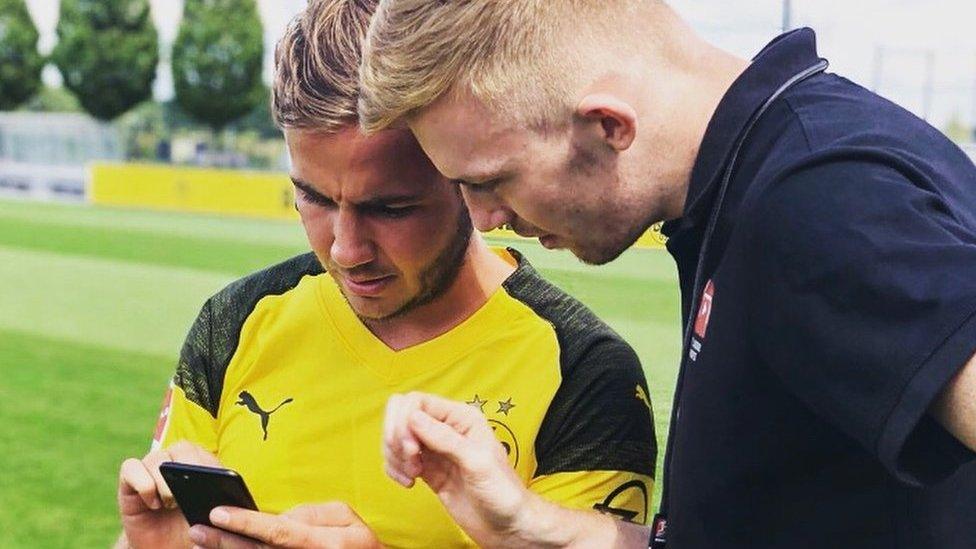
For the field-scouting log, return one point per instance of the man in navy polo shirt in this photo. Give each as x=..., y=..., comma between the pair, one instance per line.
x=826, y=248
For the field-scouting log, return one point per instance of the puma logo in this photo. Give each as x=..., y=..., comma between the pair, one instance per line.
x=251, y=404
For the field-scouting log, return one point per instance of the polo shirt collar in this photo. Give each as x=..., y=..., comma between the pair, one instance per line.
x=780, y=60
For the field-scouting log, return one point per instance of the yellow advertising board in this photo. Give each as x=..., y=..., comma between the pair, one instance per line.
x=203, y=190
x=215, y=191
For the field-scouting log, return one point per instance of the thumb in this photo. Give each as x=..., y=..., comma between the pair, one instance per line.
x=333, y=513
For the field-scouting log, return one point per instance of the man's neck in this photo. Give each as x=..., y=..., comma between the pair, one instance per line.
x=706, y=74
x=482, y=273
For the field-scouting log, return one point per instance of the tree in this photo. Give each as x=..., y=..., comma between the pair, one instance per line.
x=259, y=120
x=107, y=53
x=49, y=99
x=20, y=62
x=217, y=60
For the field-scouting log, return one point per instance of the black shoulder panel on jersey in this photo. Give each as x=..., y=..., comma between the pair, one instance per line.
x=214, y=336
x=600, y=418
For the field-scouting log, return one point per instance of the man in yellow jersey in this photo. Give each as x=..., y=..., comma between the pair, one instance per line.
x=286, y=373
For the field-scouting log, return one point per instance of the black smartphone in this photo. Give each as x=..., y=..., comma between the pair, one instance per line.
x=198, y=489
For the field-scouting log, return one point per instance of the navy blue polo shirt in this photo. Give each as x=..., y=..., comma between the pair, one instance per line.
x=840, y=300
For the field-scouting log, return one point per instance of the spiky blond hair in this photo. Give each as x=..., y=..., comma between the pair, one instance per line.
x=516, y=55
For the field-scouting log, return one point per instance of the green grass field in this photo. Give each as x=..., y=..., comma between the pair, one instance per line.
x=94, y=304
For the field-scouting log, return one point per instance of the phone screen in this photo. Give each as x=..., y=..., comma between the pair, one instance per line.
x=198, y=489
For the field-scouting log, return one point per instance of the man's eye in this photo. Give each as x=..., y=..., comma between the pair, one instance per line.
x=317, y=200
x=485, y=187
x=395, y=212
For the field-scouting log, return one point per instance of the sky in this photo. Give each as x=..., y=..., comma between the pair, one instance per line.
x=892, y=46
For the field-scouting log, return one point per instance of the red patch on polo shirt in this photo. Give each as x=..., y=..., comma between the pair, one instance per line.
x=704, y=310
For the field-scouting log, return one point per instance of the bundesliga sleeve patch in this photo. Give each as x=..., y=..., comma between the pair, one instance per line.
x=705, y=310
x=163, y=422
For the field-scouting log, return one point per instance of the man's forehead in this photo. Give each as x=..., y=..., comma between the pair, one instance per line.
x=464, y=139
x=388, y=167
x=349, y=146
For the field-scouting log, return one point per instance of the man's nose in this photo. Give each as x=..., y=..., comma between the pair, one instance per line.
x=351, y=243
x=487, y=212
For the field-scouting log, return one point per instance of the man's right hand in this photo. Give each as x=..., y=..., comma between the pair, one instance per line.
x=150, y=517
x=453, y=449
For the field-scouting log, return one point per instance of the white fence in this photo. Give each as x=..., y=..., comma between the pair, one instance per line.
x=39, y=182
x=43, y=155
x=970, y=149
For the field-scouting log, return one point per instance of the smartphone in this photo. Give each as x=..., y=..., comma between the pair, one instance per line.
x=198, y=489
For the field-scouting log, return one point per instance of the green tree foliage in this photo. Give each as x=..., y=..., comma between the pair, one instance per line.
x=20, y=62
x=107, y=52
x=49, y=99
x=217, y=59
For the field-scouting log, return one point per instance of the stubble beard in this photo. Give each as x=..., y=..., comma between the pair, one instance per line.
x=438, y=276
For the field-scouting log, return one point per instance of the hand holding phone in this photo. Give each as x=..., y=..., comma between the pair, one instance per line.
x=150, y=517
x=332, y=524
x=198, y=489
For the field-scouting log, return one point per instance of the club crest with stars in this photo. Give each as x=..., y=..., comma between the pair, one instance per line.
x=502, y=431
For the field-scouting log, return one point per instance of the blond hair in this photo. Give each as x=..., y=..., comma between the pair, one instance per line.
x=515, y=55
x=316, y=64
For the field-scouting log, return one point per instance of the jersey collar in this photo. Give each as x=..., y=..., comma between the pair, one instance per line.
x=447, y=348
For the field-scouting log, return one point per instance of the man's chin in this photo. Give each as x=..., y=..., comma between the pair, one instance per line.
x=597, y=255
x=370, y=309
x=374, y=315
x=378, y=312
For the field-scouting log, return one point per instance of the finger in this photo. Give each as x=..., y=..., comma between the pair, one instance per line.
x=438, y=436
x=214, y=538
x=206, y=458
x=135, y=478
x=332, y=513
x=274, y=530
x=462, y=417
x=389, y=419
x=187, y=452
x=393, y=423
x=399, y=425
x=334, y=524
x=406, y=445
x=400, y=457
x=152, y=462
x=394, y=466
x=409, y=444
x=399, y=476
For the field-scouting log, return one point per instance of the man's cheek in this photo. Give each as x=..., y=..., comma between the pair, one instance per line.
x=319, y=233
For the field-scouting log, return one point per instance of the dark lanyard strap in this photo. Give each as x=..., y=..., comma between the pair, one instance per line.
x=699, y=281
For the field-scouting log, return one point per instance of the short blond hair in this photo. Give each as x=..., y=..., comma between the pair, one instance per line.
x=316, y=65
x=516, y=50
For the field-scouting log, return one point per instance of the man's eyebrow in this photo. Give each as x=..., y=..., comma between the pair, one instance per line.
x=478, y=179
x=372, y=202
x=390, y=199
x=309, y=190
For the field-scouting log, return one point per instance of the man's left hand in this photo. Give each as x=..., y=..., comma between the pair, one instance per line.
x=331, y=525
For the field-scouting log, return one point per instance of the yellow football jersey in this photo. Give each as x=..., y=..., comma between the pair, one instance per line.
x=281, y=380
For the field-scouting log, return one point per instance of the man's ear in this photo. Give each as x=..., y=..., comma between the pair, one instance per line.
x=617, y=120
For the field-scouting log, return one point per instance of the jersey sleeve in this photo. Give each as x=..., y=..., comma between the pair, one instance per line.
x=183, y=419
x=189, y=407
x=863, y=303
x=596, y=447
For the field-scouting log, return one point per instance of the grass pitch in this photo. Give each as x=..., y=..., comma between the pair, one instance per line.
x=94, y=305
